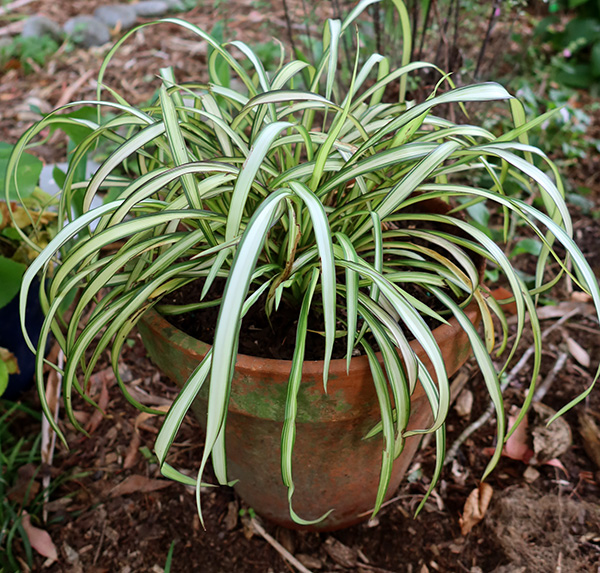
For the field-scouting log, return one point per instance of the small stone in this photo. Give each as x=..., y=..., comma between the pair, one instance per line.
x=150, y=8
x=87, y=31
x=531, y=474
x=113, y=15
x=38, y=26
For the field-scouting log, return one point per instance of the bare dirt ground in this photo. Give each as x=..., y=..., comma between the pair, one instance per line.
x=118, y=516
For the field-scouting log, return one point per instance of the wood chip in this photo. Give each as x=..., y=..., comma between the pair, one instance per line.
x=133, y=451
x=139, y=484
x=464, y=403
x=578, y=352
x=232, y=516
x=309, y=561
x=590, y=434
x=340, y=553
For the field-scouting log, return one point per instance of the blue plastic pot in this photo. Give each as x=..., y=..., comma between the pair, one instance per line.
x=11, y=337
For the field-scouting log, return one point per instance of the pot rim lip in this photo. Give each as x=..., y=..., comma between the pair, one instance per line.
x=337, y=366
x=157, y=322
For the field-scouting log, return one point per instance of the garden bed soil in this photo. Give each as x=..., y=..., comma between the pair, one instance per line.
x=118, y=518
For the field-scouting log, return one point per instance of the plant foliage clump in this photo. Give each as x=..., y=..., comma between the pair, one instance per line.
x=298, y=187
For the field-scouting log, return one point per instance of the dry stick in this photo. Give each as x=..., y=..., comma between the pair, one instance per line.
x=545, y=385
x=14, y=5
x=48, y=434
x=488, y=34
x=67, y=95
x=280, y=548
x=472, y=428
x=388, y=502
x=288, y=23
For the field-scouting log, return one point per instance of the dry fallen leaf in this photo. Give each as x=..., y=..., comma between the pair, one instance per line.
x=517, y=446
x=464, y=403
x=549, y=442
x=98, y=415
x=133, y=451
x=501, y=293
x=232, y=516
x=590, y=434
x=475, y=507
x=138, y=484
x=578, y=296
x=578, y=353
x=39, y=539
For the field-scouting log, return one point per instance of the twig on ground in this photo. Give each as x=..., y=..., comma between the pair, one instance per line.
x=545, y=385
x=48, y=443
x=388, y=502
x=14, y=5
x=12, y=29
x=472, y=428
x=68, y=94
x=278, y=547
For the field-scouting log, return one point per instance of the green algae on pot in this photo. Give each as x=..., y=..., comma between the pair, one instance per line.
x=300, y=188
x=334, y=465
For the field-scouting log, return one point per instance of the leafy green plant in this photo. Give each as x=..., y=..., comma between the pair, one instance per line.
x=35, y=49
x=577, y=44
x=309, y=195
x=27, y=224
x=16, y=452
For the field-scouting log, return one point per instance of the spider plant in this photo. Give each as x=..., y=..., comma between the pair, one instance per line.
x=294, y=187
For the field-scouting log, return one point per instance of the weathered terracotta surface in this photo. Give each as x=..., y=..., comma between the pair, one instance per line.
x=333, y=466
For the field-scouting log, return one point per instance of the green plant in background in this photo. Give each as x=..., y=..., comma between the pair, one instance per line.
x=310, y=195
x=577, y=44
x=27, y=225
x=35, y=49
x=16, y=452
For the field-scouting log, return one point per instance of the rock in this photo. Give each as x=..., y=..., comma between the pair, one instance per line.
x=150, y=8
x=37, y=26
x=113, y=15
x=176, y=5
x=87, y=31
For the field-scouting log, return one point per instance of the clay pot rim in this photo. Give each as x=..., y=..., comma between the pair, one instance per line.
x=245, y=362
x=248, y=363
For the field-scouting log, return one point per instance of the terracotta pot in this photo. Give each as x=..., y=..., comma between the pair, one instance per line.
x=333, y=467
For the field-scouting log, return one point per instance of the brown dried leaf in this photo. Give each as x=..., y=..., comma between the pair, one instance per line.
x=578, y=353
x=98, y=415
x=25, y=488
x=340, y=553
x=138, y=484
x=551, y=441
x=39, y=539
x=232, y=516
x=579, y=296
x=517, y=446
x=475, y=507
x=133, y=451
x=10, y=360
x=143, y=416
x=464, y=403
x=563, y=308
x=590, y=434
